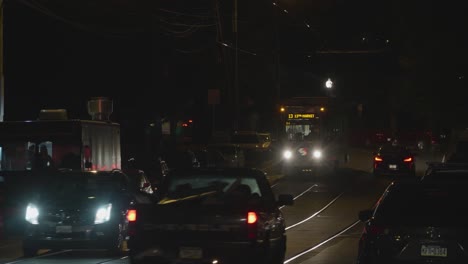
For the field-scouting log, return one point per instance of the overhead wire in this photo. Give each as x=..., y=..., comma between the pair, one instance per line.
x=87, y=28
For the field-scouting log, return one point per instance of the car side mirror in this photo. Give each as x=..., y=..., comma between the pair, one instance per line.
x=285, y=199
x=365, y=215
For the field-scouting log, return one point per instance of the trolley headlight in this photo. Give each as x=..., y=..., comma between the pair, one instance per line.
x=287, y=154
x=317, y=154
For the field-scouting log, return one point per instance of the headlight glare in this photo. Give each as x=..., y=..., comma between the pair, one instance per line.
x=103, y=214
x=317, y=154
x=32, y=214
x=287, y=154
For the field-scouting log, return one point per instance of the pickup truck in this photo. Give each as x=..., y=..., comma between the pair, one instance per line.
x=211, y=215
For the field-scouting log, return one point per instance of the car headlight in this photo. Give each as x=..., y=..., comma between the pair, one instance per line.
x=287, y=154
x=103, y=214
x=32, y=214
x=317, y=154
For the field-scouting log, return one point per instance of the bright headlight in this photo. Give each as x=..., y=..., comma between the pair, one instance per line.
x=317, y=154
x=103, y=214
x=287, y=154
x=32, y=213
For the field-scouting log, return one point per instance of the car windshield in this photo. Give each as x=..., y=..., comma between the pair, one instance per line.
x=180, y=187
x=79, y=185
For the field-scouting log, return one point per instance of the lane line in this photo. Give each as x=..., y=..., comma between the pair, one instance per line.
x=316, y=213
x=301, y=194
x=322, y=243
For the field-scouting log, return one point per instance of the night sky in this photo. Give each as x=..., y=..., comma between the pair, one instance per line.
x=390, y=56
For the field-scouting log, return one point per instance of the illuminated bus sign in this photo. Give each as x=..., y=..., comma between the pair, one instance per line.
x=301, y=116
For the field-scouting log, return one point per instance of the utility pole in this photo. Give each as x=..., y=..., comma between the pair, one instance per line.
x=236, y=68
x=276, y=17
x=2, y=81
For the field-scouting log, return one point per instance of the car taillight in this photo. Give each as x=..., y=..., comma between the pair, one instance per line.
x=409, y=159
x=131, y=215
x=378, y=159
x=252, y=220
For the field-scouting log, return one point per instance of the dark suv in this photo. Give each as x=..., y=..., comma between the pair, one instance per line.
x=416, y=222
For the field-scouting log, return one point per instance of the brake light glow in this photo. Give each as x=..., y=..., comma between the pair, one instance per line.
x=252, y=218
x=409, y=159
x=378, y=159
x=131, y=215
x=252, y=229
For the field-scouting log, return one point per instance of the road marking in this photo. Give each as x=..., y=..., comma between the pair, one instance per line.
x=301, y=194
x=322, y=243
x=316, y=213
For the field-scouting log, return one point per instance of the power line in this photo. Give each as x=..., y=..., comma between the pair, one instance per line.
x=87, y=28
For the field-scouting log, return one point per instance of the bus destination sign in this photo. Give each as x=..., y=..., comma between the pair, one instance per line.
x=301, y=116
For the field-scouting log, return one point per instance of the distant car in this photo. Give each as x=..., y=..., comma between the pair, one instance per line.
x=394, y=160
x=251, y=140
x=416, y=222
x=80, y=210
x=211, y=215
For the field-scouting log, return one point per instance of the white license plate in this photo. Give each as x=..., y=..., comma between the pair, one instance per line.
x=433, y=251
x=190, y=253
x=392, y=166
x=63, y=229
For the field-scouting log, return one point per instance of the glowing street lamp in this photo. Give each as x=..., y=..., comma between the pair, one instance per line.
x=329, y=84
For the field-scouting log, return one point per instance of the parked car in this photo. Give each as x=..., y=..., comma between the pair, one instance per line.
x=251, y=140
x=211, y=215
x=416, y=222
x=394, y=160
x=80, y=210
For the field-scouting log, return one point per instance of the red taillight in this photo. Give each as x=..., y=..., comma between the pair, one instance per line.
x=131, y=215
x=251, y=218
x=409, y=159
x=378, y=159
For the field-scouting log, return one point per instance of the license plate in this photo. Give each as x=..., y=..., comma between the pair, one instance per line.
x=190, y=253
x=63, y=229
x=433, y=251
x=392, y=166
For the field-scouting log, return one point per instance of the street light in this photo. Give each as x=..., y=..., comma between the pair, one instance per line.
x=329, y=84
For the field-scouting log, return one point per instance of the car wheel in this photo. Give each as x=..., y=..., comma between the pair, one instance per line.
x=117, y=246
x=279, y=253
x=29, y=252
x=273, y=254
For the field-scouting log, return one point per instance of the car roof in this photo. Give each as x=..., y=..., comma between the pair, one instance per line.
x=391, y=148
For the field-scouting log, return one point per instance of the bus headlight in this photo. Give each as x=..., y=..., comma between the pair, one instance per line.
x=287, y=154
x=317, y=154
